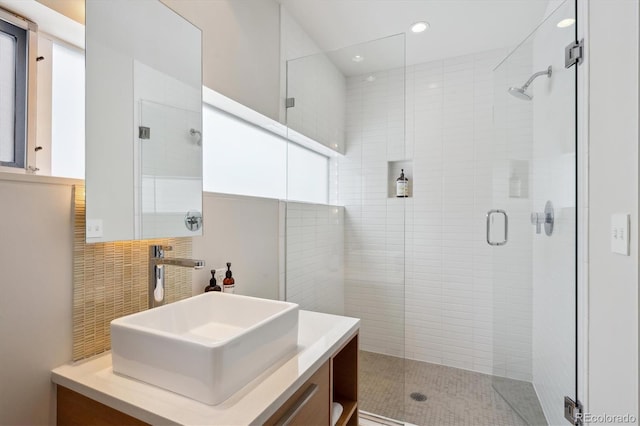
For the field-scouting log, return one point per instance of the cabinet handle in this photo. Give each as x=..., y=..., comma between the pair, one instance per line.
x=293, y=411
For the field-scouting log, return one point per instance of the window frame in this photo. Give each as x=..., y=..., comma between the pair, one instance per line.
x=20, y=117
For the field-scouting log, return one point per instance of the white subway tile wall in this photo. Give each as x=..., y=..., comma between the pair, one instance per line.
x=512, y=146
x=315, y=257
x=374, y=222
x=418, y=271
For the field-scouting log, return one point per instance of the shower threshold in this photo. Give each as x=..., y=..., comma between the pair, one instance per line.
x=370, y=419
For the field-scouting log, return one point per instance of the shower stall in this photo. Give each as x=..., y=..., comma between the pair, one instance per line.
x=467, y=287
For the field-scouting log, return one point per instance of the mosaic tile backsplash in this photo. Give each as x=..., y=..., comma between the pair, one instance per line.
x=110, y=280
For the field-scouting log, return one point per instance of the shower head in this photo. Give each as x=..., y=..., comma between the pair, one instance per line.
x=521, y=92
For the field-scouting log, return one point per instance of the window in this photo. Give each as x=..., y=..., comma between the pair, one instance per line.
x=13, y=95
x=241, y=158
x=67, y=112
x=308, y=175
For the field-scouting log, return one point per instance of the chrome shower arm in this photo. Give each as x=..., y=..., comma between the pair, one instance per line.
x=546, y=72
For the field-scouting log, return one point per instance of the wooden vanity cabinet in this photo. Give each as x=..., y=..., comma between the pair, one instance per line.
x=310, y=404
x=335, y=381
x=74, y=409
x=344, y=381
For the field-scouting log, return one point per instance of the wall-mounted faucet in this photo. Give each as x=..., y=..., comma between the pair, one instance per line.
x=157, y=262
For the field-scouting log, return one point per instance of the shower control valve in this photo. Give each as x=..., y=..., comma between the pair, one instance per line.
x=546, y=219
x=537, y=219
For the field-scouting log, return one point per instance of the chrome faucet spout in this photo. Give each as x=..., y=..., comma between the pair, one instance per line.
x=157, y=262
x=185, y=263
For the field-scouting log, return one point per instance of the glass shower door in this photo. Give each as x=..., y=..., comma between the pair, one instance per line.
x=531, y=230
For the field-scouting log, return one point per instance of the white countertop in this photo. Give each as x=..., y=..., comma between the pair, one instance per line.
x=319, y=336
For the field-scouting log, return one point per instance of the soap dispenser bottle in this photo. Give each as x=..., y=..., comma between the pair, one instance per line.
x=213, y=285
x=402, y=186
x=228, y=284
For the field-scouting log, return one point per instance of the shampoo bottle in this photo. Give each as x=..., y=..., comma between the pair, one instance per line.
x=402, y=186
x=228, y=284
x=515, y=186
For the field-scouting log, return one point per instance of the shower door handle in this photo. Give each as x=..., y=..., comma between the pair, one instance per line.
x=490, y=214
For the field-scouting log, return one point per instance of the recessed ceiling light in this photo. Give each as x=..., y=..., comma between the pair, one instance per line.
x=370, y=79
x=358, y=58
x=419, y=27
x=566, y=23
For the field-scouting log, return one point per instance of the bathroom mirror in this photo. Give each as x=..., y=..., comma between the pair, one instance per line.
x=143, y=122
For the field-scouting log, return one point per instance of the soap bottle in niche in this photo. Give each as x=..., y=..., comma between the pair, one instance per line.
x=228, y=284
x=402, y=186
x=515, y=186
x=213, y=285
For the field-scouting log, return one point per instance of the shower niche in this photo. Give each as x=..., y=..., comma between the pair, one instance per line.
x=394, y=168
x=518, y=179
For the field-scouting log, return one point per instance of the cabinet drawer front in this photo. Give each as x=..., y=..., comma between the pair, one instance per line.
x=309, y=405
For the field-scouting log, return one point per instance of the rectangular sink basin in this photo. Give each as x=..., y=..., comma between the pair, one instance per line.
x=206, y=347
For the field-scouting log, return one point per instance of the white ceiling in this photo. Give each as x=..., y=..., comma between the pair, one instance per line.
x=458, y=27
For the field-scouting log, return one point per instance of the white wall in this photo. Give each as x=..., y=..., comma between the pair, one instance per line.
x=74, y=9
x=294, y=43
x=243, y=231
x=257, y=234
x=612, y=51
x=317, y=85
x=36, y=285
x=241, y=49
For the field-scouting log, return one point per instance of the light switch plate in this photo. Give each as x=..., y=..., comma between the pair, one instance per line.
x=620, y=234
x=94, y=228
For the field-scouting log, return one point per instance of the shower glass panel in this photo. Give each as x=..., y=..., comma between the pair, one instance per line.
x=534, y=181
x=347, y=256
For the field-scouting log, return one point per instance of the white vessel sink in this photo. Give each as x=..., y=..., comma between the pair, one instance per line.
x=206, y=347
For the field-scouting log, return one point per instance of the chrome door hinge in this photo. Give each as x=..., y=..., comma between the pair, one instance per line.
x=573, y=411
x=573, y=53
x=290, y=102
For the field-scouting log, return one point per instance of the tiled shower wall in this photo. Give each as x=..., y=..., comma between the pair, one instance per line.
x=314, y=256
x=418, y=271
x=110, y=280
x=374, y=222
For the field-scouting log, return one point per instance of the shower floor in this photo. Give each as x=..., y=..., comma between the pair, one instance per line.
x=454, y=396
